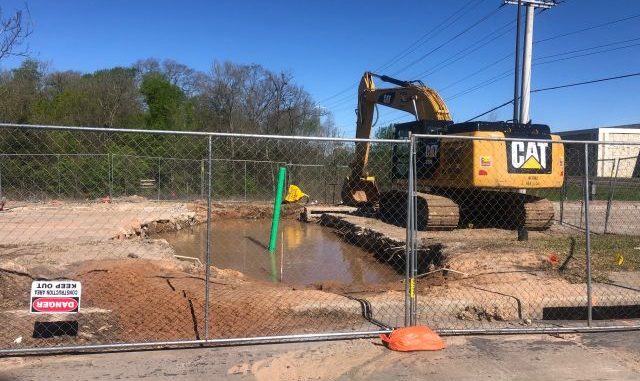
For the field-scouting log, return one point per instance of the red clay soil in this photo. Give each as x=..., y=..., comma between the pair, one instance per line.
x=150, y=302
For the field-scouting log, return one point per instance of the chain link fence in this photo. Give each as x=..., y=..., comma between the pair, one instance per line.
x=169, y=235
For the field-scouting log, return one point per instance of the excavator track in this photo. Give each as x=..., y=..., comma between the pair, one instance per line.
x=448, y=209
x=539, y=214
x=498, y=209
x=434, y=212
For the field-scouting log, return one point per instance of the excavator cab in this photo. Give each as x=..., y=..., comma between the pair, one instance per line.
x=400, y=158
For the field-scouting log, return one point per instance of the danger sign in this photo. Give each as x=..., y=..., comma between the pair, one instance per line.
x=60, y=296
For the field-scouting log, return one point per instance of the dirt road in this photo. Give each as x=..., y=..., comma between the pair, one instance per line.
x=601, y=356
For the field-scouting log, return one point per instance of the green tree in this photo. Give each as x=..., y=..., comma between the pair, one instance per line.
x=167, y=107
x=20, y=90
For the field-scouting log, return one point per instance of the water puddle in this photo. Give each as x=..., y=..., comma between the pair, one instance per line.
x=310, y=253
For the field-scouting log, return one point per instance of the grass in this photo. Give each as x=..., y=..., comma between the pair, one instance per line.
x=605, y=254
x=574, y=192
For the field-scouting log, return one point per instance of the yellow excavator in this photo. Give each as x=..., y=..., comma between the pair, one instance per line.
x=460, y=182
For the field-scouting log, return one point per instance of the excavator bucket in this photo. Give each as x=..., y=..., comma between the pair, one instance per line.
x=360, y=191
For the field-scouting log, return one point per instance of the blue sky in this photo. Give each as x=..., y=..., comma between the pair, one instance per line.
x=327, y=45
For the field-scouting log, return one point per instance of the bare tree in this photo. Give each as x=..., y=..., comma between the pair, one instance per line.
x=14, y=30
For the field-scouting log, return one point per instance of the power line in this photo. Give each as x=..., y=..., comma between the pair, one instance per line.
x=558, y=87
x=586, y=82
x=485, y=83
x=588, y=28
x=476, y=72
x=504, y=74
x=445, y=43
x=589, y=48
x=510, y=101
x=564, y=53
x=588, y=54
x=416, y=44
x=602, y=25
x=470, y=49
x=431, y=33
x=343, y=99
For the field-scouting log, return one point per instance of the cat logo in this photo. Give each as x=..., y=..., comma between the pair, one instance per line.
x=431, y=150
x=529, y=157
x=387, y=98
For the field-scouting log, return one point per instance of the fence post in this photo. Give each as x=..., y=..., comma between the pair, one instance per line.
x=208, y=250
x=612, y=186
x=159, y=178
x=58, y=170
x=407, y=254
x=584, y=189
x=245, y=181
x=202, y=179
x=563, y=196
x=409, y=315
x=110, y=158
x=414, y=229
x=587, y=234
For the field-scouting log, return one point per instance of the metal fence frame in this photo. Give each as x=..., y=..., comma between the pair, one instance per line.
x=410, y=247
x=112, y=157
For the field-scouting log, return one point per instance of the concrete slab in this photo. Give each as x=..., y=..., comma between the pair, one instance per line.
x=312, y=213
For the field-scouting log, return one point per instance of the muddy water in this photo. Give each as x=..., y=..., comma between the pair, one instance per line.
x=311, y=253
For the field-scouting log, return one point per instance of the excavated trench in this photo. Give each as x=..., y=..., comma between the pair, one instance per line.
x=306, y=253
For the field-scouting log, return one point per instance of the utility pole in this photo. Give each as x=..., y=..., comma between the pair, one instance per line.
x=525, y=85
x=516, y=74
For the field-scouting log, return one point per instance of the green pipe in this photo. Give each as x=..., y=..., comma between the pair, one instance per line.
x=273, y=240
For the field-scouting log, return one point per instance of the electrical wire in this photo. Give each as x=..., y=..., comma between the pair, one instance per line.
x=431, y=33
x=473, y=48
x=588, y=54
x=506, y=73
x=450, y=40
x=416, y=44
x=587, y=28
x=470, y=49
x=586, y=82
x=559, y=87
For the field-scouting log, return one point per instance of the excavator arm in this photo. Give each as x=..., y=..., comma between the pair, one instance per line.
x=409, y=96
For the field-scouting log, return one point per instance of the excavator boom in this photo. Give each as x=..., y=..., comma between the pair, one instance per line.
x=410, y=96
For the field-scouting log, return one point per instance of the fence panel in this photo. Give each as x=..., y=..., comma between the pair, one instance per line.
x=58, y=221
x=615, y=224
x=486, y=279
x=138, y=217
x=318, y=279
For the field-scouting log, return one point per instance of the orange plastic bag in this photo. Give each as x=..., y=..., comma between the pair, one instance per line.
x=418, y=338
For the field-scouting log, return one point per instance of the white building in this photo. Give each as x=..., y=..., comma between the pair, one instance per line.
x=606, y=160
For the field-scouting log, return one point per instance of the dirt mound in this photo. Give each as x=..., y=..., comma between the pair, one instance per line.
x=244, y=210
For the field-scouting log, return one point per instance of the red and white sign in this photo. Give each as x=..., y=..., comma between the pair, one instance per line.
x=55, y=297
